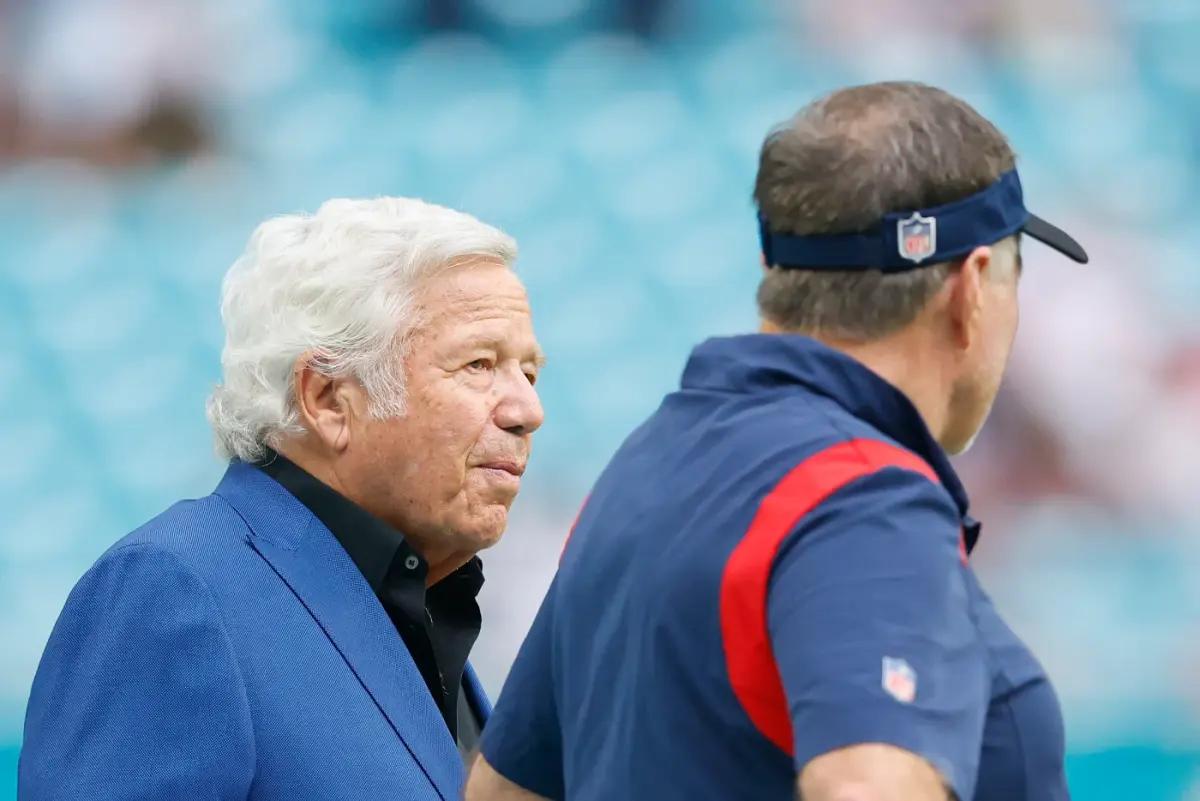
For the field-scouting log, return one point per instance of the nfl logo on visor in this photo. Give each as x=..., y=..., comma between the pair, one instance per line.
x=917, y=237
x=899, y=680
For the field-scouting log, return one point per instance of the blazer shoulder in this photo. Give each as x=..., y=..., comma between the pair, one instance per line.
x=196, y=532
x=143, y=662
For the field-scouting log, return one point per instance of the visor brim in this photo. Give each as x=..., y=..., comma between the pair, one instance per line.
x=1056, y=238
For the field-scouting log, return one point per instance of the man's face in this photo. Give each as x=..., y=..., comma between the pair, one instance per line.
x=446, y=472
x=984, y=363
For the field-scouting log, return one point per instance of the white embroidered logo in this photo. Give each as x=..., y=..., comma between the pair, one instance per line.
x=917, y=237
x=899, y=680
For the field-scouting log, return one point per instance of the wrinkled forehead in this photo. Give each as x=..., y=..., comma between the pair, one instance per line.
x=483, y=303
x=472, y=280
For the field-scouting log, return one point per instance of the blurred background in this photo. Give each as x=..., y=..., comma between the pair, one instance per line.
x=142, y=140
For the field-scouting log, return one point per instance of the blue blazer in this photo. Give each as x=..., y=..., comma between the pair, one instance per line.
x=230, y=649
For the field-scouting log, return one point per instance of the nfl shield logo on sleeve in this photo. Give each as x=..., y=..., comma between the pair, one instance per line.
x=917, y=237
x=899, y=680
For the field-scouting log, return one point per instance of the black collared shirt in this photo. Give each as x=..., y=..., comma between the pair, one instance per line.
x=439, y=625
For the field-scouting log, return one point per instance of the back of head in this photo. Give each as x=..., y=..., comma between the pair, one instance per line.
x=843, y=163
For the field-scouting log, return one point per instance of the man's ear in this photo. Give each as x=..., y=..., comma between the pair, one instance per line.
x=326, y=404
x=965, y=304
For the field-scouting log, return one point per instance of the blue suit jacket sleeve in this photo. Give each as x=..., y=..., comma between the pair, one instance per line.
x=138, y=695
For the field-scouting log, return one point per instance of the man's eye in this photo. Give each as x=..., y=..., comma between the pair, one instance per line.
x=479, y=365
x=532, y=378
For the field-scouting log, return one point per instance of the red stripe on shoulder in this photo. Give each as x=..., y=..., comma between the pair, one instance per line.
x=745, y=639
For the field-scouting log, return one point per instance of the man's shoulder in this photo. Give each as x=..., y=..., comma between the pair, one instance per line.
x=755, y=440
x=794, y=427
x=801, y=417
x=188, y=527
x=817, y=428
x=824, y=452
x=199, y=536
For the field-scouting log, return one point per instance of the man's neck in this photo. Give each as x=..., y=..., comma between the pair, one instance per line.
x=441, y=562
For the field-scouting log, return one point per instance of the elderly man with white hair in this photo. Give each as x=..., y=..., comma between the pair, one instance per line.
x=303, y=632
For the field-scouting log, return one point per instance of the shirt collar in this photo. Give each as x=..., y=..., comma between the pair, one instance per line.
x=756, y=363
x=373, y=545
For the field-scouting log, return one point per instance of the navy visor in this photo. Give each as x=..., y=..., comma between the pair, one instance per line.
x=910, y=239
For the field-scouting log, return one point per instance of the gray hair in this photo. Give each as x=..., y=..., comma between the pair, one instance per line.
x=336, y=287
x=839, y=166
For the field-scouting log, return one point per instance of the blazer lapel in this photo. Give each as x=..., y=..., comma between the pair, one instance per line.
x=309, y=559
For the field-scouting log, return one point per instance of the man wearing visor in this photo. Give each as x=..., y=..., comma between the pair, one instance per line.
x=769, y=588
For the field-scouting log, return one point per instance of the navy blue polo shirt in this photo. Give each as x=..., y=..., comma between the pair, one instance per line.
x=773, y=566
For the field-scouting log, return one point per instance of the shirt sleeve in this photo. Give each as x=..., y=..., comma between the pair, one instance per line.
x=871, y=627
x=523, y=739
x=138, y=694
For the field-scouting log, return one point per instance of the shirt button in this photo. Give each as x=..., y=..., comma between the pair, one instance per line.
x=411, y=562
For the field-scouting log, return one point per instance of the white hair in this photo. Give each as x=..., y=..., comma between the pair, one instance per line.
x=336, y=287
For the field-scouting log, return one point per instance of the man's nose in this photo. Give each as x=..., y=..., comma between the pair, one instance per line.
x=520, y=410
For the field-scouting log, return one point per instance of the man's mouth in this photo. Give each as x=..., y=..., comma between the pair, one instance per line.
x=512, y=468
